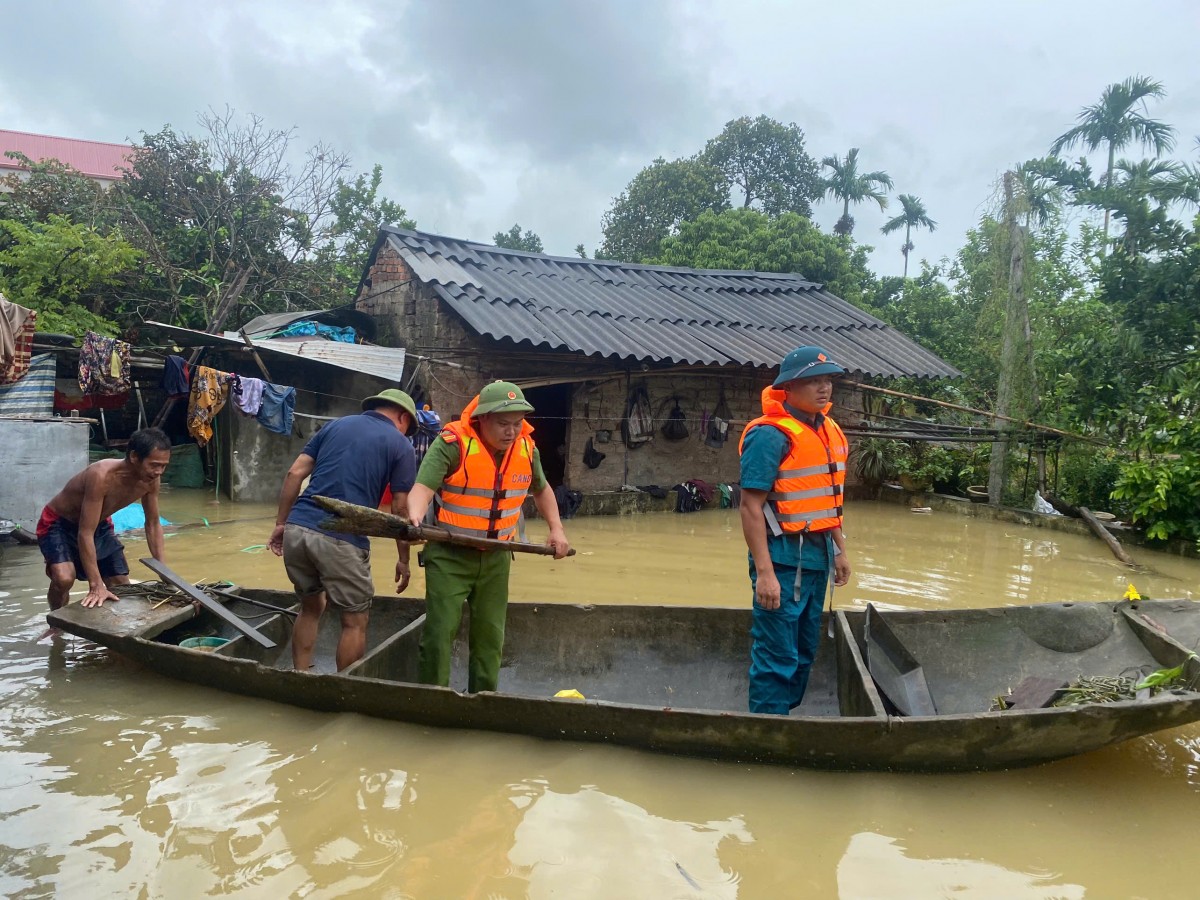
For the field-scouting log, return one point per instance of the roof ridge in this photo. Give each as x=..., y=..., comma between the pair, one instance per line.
x=609, y=263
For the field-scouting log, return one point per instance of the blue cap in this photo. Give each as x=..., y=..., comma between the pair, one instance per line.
x=806, y=362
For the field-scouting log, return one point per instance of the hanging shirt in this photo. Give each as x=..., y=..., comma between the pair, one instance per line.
x=177, y=377
x=16, y=340
x=248, y=395
x=278, y=408
x=210, y=391
x=103, y=365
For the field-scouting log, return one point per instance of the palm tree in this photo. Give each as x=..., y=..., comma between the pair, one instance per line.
x=1116, y=121
x=847, y=185
x=914, y=216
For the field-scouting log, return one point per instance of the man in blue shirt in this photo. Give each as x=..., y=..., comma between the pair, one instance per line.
x=355, y=458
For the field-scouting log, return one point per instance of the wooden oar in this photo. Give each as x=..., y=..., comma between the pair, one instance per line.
x=350, y=518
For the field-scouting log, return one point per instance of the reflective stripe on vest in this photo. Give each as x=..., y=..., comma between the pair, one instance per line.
x=807, y=492
x=480, y=498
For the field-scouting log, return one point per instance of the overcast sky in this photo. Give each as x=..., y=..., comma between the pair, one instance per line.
x=486, y=114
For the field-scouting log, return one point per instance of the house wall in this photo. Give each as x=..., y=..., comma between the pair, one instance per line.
x=256, y=459
x=458, y=362
x=39, y=458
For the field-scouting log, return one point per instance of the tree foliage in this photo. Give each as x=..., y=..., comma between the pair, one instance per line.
x=766, y=161
x=750, y=239
x=912, y=215
x=847, y=184
x=61, y=269
x=656, y=202
x=513, y=239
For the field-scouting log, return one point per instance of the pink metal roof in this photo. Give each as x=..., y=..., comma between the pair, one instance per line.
x=94, y=158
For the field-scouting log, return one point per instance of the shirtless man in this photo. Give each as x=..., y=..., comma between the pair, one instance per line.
x=75, y=534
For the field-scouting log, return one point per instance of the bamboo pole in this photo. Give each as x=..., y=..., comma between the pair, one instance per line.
x=350, y=518
x=980, y=412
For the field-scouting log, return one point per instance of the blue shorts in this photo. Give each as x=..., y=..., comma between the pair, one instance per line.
x=58, y=539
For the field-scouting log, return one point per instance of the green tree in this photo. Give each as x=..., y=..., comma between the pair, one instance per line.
x=913, y=216
x=328, y=277
x=767, y=162
x=847, y=184
x=1119, y=119
x=656, y=201
x=62, y=269
x=226, y=220
x=514, y=240
x=51, y=188
x=750, y=239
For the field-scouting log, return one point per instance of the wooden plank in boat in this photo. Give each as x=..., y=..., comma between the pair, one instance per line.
x=207, y=602
x=1035, y=692
x=895, y=671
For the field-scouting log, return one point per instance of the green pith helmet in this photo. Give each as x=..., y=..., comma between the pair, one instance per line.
x=394, y=397
x=806, y=362
x=501, y=397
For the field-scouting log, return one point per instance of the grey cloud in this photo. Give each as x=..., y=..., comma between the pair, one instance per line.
x=560, y=78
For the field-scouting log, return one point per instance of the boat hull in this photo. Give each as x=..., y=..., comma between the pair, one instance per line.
x=672, y=680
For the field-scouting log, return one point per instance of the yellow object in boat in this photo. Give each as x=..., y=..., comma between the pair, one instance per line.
x=570, y=694
x=1131, y=593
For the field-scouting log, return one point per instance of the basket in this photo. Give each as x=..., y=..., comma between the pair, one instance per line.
x=203, y=644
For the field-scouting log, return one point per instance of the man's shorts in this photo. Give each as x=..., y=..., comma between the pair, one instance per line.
x=58, y=539
x=316, y=562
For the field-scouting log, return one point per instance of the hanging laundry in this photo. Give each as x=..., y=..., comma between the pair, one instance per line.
x=103, y=365
x=210, y=391
x=16, y=340
x=33, y=395
x=177, y=377
x=248, y=394
x=278, y=408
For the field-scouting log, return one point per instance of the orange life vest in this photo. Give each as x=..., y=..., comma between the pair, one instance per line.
x=480, y=498
x=807, y=493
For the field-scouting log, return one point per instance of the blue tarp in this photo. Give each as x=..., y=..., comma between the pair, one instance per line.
x=131, y=517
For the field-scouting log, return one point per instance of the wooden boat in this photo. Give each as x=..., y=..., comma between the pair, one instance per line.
x=895, y=690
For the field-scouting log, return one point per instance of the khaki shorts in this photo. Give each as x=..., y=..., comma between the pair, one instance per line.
x=316, y=562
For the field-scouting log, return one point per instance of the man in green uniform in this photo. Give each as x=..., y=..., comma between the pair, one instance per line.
x=476, y=474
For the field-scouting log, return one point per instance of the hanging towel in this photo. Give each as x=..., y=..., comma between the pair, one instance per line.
x=177, y=377
x=16, y=340
x=278, y=408
x=248, y=395
x=103, y=365
x=210, y=391
x=33, y=395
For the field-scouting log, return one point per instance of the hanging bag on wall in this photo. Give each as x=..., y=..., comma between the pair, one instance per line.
x=637, y=428
x=718, y=425
x=675, y=428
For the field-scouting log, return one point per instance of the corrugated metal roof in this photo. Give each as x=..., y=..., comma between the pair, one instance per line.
x=653, y=313
x=94, y=158
x=382, y=362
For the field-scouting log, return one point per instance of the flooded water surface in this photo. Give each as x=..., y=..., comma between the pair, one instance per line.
x=116, y=781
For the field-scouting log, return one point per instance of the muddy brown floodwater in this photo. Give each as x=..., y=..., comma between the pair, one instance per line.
x=117, y=782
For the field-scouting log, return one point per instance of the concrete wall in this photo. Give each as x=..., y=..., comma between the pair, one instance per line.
x=38, y=459
x=591, y=394
x=254, y=460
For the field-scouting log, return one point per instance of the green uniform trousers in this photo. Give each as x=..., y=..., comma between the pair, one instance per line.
x=454, y=575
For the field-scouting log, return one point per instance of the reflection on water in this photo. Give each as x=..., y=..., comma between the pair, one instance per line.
x=115, y=781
